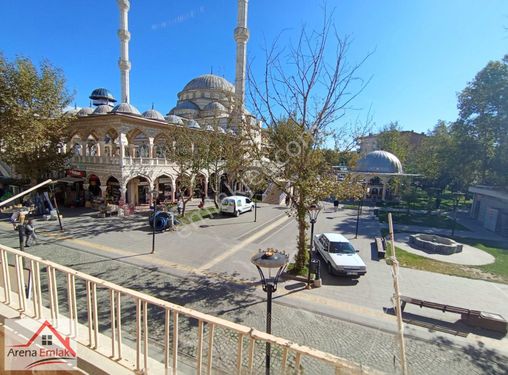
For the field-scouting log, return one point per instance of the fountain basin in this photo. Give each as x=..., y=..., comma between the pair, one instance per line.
x=435, y=244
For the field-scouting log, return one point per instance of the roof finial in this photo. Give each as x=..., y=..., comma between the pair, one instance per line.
x=152, y=105
x=211, y=69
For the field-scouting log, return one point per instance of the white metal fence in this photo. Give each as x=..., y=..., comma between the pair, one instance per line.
x=108, y=312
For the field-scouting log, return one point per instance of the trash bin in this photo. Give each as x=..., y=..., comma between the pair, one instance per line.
x=314, y=264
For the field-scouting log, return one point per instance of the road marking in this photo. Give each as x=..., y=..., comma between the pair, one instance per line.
x=240, y=245
x=268, y=222
x=277, y=231
x=149, y=259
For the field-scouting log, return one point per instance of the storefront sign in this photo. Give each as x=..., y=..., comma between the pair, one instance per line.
x=75, y=173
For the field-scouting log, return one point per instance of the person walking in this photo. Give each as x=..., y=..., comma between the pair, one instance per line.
x=336, y=204
x=179, y=206
x=31, y=237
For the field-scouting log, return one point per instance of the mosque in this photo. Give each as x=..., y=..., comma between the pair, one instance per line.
x=119, y=153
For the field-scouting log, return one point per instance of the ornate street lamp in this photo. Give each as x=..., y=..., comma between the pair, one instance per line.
x=154, y=194
x=313, y=212
x=271, y=260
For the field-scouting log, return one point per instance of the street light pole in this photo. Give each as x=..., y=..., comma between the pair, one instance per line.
x=270, y=259
x=357, y=219
x=313, y=214
x=154, y=201
x=255, y=211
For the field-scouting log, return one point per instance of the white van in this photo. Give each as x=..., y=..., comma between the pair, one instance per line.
x=236, y=204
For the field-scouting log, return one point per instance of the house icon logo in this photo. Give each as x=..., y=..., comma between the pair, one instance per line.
x=38, y=345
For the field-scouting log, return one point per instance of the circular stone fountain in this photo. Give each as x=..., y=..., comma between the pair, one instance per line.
x=435, y=244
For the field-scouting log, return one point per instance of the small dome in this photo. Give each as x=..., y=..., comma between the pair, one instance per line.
x=379, y=162
x=186, y=104
x=71, y=112
x=220, y=129
x=209, y=128
x=153, y=115
x=173, y=119
x=215, y=106
x=85, y=111
x=102, y=109
x=193, y=124
x=102, y=93
x=209, y=82
x=126, y=108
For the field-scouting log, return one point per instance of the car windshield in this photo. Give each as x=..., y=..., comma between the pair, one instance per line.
x=341, y=248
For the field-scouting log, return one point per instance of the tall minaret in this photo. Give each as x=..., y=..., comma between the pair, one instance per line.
x=123, y=62
x=241, y=37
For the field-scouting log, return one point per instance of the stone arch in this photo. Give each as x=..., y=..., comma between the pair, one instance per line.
x=162, y=146
x=113, y=191
x=139, y=143
x=138, y=189
x=165, y=185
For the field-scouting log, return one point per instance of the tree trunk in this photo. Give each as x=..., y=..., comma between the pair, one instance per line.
x=302, y=254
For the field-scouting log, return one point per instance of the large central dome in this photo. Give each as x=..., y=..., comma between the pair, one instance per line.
x=209, y=82
x=379, y=162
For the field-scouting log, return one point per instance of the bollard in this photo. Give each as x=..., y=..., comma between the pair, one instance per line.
x=21, y=234
x=317, y=280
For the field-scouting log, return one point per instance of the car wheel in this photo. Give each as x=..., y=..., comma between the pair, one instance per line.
x=237, y=213
x=330, y=269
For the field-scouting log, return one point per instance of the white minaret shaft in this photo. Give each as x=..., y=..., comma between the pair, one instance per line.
x=241, y=37
x=123, y=62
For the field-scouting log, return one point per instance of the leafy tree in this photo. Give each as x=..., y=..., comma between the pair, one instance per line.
x=32, y=128
x=482, y=126
x=392, y=139
x=306, y=89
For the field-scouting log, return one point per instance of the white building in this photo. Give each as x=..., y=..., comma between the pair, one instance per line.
x=119, y=153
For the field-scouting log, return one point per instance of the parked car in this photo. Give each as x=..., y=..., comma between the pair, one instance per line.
x=236, y=205
x=340, y=256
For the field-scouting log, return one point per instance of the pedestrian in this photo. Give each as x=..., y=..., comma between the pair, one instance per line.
x=14, y=219
x=336, y=204
x=179, y=206
x=31, y=237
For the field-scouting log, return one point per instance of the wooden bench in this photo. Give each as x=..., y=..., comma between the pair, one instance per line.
x=381, y=247
x=475, y=318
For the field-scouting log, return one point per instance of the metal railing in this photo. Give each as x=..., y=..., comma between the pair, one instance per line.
x=243, y=346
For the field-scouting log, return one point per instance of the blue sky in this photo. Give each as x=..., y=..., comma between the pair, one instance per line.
x=424, y=52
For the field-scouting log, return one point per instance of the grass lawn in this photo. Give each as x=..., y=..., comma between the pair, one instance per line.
x=196, y=215
x=497, y=271
x=434, y=221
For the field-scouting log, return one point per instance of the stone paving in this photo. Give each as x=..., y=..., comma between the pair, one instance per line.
x=244, y=304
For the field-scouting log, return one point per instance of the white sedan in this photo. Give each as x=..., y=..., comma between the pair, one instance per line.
x=339, y=255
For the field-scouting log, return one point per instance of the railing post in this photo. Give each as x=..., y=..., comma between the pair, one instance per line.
x=95, y=316
x=145, y=329
x=51, y=292
x=6, y=278
x=211, y=331
x=89, y=310
x=119, y=324
x=199, y=349
x=112, y=318
x=166, y=338
x=239, y=354
x=175, y=342
x=138, y=334
x=21, y=283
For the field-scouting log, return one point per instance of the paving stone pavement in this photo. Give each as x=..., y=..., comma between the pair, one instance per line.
x=244, y=304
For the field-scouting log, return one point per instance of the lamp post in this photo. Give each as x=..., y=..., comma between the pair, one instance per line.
x=360, y=202
x=456, y=199
x=313, y=212
x=154, y=194
x=271, y=260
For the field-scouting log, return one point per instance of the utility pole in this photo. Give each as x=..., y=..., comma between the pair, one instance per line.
x=396, y=298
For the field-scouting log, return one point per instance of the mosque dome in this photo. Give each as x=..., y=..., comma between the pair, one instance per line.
x=71, y=112
x=85, y=111
x=193, y=124
x=102, y=93
x=231, y=131
x=173, y=119
x=220, y=129
x=209, y=128
x=209, y=82
x=153, y=115
x=379, y=162
x=102, y=109
x=186, y=104
x=215, y=106
x=126, y=108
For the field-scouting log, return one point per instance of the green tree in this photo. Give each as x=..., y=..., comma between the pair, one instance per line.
x=32, y=127
x=392, y=139
x=482, y=126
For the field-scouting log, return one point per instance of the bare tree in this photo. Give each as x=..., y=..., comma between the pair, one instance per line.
x=305, y=90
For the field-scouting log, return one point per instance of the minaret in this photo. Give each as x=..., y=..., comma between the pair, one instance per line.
x=241, y=37
x=123, y=62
